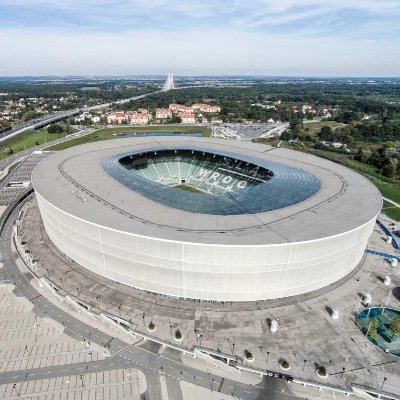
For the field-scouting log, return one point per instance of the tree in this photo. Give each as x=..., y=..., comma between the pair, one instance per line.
x=362, y=155
x=285, y=135
x=389, y=170
x=373, y=328
x=325, y=133
x=178, y=334
x=175, y=119
x=55, y=128
x=296, y=123
x=394, y=326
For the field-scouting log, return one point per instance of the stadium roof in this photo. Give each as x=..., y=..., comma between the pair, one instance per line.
x=75, y=181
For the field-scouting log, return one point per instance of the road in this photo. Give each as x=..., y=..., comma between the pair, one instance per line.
x=36, y=123
x=48, y=119
x=152, y=364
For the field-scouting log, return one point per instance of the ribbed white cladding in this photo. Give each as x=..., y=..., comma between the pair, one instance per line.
x=206, y=271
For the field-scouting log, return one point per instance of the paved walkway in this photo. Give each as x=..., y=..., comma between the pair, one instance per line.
x=391, y=202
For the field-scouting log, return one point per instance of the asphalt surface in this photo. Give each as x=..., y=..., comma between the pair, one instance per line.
x=127, y=356
x=36, y=123
x=43, y=121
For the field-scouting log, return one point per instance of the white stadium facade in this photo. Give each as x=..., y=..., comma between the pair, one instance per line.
x=206, y=219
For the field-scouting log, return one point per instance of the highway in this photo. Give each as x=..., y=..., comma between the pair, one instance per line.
x=48, y=119
x=35, y=124
x=125, y=355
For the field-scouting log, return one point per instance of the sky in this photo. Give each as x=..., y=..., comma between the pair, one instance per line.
x=203, y=37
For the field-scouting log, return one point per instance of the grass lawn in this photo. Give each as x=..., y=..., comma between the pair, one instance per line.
x=188, y=188
x=107, y=133
x=315, y=127
x=388, y=190
x=27, y=140
x=391, y=211
x=346, y=161
x=389, y=187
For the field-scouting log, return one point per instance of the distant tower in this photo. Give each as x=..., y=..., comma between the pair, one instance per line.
x=169, y=83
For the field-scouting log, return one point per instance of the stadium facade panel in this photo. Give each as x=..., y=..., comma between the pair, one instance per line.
x=120, y=233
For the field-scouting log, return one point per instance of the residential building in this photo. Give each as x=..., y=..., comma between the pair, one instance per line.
x=188, y=118
x=163, y=113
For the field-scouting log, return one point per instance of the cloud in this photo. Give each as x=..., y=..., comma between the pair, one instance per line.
x=229, y=13
x=295, y=37
x=67, y=52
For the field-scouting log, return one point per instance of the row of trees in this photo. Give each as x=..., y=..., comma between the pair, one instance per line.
x=366, y=131
x=386, y=159
x=59, y=128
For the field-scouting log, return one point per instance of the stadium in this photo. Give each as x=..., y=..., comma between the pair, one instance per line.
x=204, y=218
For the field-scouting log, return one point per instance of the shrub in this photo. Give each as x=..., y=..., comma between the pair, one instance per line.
x=284, y=364
x=55, y=128
x=248, y=355
x=322, y=371
x=151, y=326
x=178, y=334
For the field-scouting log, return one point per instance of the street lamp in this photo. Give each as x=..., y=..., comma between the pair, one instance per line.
x=384, y=380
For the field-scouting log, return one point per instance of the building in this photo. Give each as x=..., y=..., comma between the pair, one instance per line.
x=179, y=108
x=163, y=113
x=188, y=118
x=139, y=117
x=216, y=121
x=264, y=222
x=207, y=108
x=95, y=119
x=117, y=117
